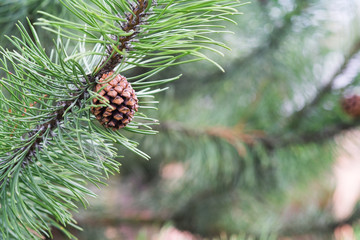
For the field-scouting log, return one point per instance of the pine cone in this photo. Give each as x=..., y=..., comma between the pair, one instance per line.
x=121, y=98
x=351, y=105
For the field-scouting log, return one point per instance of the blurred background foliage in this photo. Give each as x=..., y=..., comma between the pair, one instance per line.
x=245, y=154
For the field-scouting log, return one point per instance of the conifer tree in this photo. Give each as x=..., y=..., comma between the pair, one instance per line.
x=51, y=142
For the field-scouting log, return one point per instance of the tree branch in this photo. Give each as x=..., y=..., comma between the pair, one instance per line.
x=297, y=117
x=237, y=134
x=232, y=135
x=133, y=23
x=277, y=141
x=272, y=41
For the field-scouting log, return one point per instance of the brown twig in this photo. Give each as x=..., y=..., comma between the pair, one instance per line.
x=233, y=135
x=133, y=23
x=237, y=134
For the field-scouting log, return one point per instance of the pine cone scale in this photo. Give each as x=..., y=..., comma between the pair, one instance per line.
x=112, y=93
x=118, y=100
x=118, y=89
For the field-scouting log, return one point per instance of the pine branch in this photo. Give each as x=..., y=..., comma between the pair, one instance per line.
x=50, y=142
x=235, y=135
x=270, y=43
x=321, y=136
x=37, y=135
x=298, y=116
x=274, y=39
x=35, y=141
x=232, y=135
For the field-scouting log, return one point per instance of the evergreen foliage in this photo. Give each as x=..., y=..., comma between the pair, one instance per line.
x=264, y=130
x=50, y=143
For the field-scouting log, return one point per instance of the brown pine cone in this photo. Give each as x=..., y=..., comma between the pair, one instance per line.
x=351, y=105
x=121, y=98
